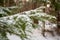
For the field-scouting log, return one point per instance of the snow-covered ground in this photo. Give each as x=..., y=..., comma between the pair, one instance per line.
x=36, y=36
x=36, y=33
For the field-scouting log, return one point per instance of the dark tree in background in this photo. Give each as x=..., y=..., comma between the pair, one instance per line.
x=6, y=3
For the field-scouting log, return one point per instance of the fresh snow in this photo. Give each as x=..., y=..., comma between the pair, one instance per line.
x=36, y=33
